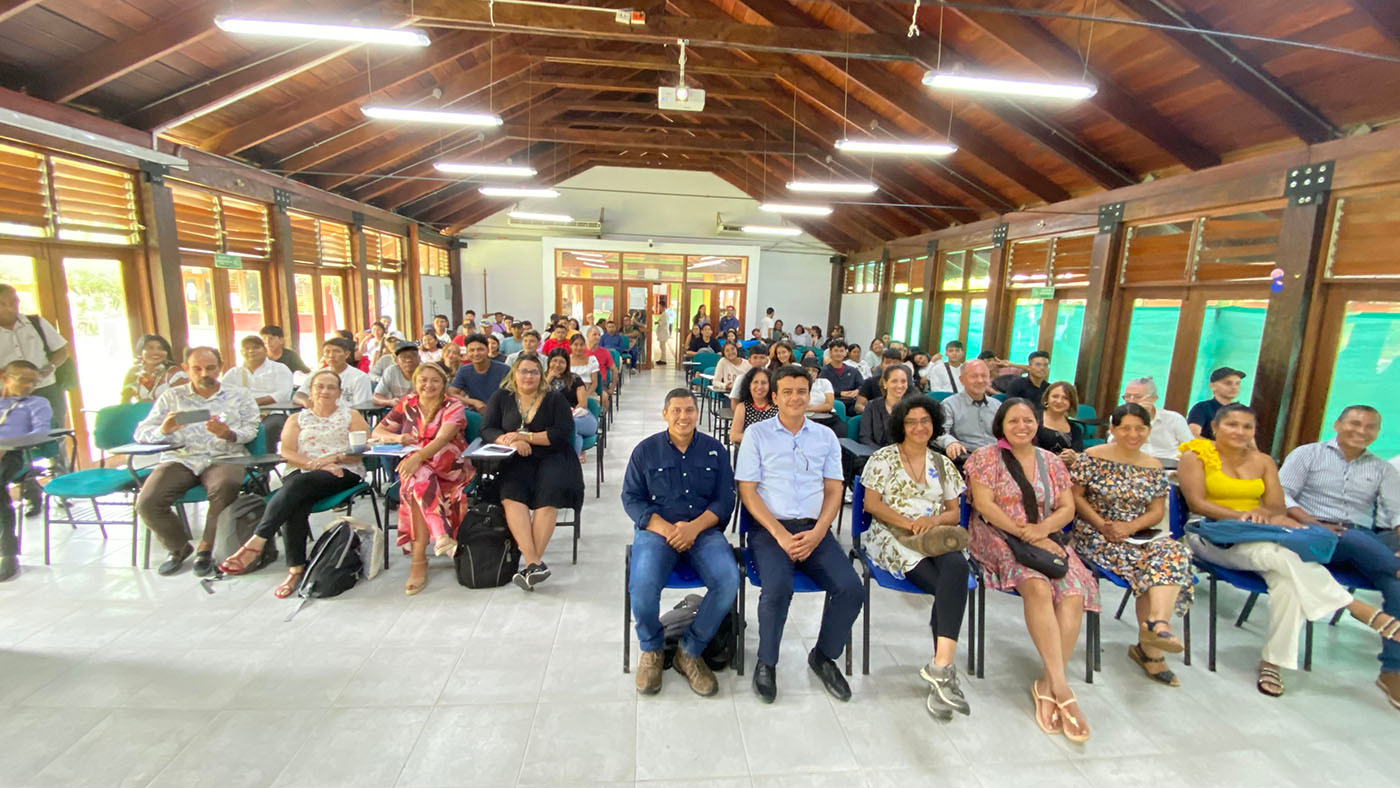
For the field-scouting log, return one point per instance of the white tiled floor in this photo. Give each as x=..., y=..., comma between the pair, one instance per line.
x=113, y=676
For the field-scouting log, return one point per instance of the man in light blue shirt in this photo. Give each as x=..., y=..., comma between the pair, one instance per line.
x=23, y=414
x=789, y=475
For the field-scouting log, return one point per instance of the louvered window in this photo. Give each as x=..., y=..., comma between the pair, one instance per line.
x=196, y=219
x=916, y=274
x=245, y=227
x=383, y=251
x=1026, y=264
x=432, y=260
x=1069, y=260
x=1364, y=233
x=1157, y=252
x=899, y=275
x=215, y=223
x=306, y=246
x=24, y=193
x=1238, y=247
x=93, y=203
x=335, y=243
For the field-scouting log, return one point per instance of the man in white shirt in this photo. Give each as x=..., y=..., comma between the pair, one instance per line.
x=34, y=339
x=397, y=380
x=355, y=389
x=765, y=325
x=1169, y=428
x=946, y=375
x=270, y=383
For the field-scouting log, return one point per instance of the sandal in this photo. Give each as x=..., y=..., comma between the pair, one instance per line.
x=1388, y=628
x=445, y=545
x=236, y=565
x=411, y=587
x=291, y=584
x=1069, y=719
x=1053, y=725
x=1269, y=678
x=1163, y=676
x=1163, y=638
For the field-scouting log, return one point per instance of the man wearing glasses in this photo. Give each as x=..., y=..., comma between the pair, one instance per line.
x=1169, y=428
x=789, y=475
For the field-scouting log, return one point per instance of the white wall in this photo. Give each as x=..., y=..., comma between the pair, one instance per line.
x=859, y=311
x=674, y=209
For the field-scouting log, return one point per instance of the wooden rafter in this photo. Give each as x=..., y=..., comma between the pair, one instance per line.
x=1383, y=14
x=9, y=8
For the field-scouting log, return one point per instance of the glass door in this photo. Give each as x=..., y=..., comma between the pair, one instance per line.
x=1150, y=341
x=201, y=322
x=308, y=346
x=1357, y=364
x=907, y=320
x=638, y=304
x=100, y=333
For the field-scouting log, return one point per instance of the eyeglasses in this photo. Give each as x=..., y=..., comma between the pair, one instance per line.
x=528, y=373
x=1139, y=397
x=918, y=422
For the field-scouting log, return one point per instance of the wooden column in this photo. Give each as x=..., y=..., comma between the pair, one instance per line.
x=284, y=268
x=930, y=277
x=163, y=256
x=1299, y=253
x=357, y=256
x=413, y=290
x=454, y=267
x=838, y=283
x=994, y=323
x=1103, y=276
x=884, y=288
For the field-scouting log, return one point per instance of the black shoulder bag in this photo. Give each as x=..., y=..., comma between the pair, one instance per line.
x=1026, y=554
x=65, y=375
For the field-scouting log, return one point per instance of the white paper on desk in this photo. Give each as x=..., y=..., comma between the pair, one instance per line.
x=493, y=450
x=389, y=449
x=1145, y=537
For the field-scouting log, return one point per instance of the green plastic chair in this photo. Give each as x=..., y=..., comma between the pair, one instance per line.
x=114, y=426
x=853, y=427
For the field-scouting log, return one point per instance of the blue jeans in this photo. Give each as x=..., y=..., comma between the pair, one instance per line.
x=584, y=426
x=1373, y=556
x=828, y=567
x=652, y=561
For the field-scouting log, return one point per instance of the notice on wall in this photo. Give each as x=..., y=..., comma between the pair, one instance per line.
x=228, y=261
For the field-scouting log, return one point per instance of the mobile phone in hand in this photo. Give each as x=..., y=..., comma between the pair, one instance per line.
x=186, y=417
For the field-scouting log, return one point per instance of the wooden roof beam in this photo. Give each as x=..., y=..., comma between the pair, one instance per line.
x=1384, y=15
x=658, y=142
x=1238, y=71
x=9, y=8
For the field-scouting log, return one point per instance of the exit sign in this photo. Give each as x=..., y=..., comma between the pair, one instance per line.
x=1042, y=292
x=228, y=261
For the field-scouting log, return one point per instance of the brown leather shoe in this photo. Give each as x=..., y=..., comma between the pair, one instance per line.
x=649, y=669
x=701, y=678
x=1390, y=685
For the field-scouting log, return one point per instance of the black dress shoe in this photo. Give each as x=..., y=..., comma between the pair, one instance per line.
x=203, y=563
x=177, y=559
x=830, y=675
x=9, y=567
x=765, y=682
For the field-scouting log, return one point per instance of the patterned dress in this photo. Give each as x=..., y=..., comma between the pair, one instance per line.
x=1003, y=572
x=437, y=486
x=1121, y=492
x=885, y=474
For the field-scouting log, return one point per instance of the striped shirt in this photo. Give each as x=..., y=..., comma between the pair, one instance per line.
x=198, y=446
x=1320, y=481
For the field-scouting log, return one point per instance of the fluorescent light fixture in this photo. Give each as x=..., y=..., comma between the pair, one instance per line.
x=9, y=117
x=800, y=210
x=466, y=168
x=835, y=187
x=894, y=146
x=592, y=264
x=441, y=116
x=518, y=191
x=1010, y=87
x=713, y=259
x=287, y=29
x=769, y=229
x=541, y=217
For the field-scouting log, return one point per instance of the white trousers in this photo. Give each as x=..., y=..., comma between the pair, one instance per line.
x=1298, y=591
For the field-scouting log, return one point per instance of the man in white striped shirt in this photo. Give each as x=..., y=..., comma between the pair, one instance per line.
x=1341, y=485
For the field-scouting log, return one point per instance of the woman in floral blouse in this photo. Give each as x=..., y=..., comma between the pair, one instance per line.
x=155, y=371
x=911, y=492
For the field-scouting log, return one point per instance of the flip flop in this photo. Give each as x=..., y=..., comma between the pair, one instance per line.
x=1053, y=726
x=1077, y=738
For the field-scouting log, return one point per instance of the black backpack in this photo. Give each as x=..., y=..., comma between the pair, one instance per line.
x=334, y=564
x=719, y=652
x=486, y=553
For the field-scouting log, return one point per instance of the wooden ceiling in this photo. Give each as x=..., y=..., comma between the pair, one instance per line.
x=785, y=79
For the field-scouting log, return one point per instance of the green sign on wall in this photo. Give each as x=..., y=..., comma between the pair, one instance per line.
x=228, y=261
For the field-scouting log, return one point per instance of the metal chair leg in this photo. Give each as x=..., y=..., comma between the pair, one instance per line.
x=981, y=630
x=627, y=610
x=1089, y=648
x=1123, y=605
x=578, y=526
x=742, y=634
x=1210, y=632
x=1248, y=608
x=972, y=630
x=865, y=629
x=1186, y=633
x=1307, y=645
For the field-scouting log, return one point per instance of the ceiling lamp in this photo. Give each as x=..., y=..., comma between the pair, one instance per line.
x=894, y=146
x=947, y=80
x=518, y=191
x=799, y=210
x=440, y=116
x=834, y=187
x=542, y=217
x=355, y=33
x=502, y=170
x=769, y=229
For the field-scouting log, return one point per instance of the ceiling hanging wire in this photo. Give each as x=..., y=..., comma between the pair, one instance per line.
x=1089, y=44
x=913, y=20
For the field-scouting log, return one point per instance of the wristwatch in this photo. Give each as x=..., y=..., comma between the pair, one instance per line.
x=525, y=434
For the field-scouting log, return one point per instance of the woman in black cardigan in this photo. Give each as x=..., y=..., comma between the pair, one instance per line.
x=543, y=475
x=875, y=419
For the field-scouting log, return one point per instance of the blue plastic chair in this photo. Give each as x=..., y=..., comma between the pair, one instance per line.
x=683, y=576
x=114, y=426
x=801, y=584
x=860, y=522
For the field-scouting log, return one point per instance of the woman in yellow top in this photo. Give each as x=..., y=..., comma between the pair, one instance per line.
x=1228, y=479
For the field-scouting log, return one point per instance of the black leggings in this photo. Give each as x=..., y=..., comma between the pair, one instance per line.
x=946, y=578
x=290, y=508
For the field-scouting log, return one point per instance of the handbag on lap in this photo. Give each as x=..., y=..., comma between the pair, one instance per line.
x=1312, y=543
x=1026, y=554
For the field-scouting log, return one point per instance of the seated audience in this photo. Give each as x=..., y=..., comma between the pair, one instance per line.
x=679, y=494
x=753, y=402
x=946, y=375
x=1341, y=485
x=845, y=381
x=442, y=330
x=583, y=364
x=594, y=336
x=703, y=339
x=370, y=344
x=560, y=378
x=800, y=337
x=729, y=368
x=969, y=414
x=758, y=356
x=432, y=479
x=855, y=361
x=790, y=480
x=783, y=354
x=636, y=344
x=429, y=349
x=270, y=383
x=1227, y=479
x=809, y=359
x=1023, y=493
x=911, y=493
x=530, y=343
x=493, y=348
x=544, y=475
x=1120, y=492
x=389, y=330
x=154, y=373
x=397, y=380
x=1057, y=434
x=874, y=355
x=875, y=424
x=558, y=337
x=278, y=351
x=870, y=388
x=316, y=444
x=228, y=419
x=355, y=391
x=777, y=334
x=1169, y=428
x=452, y=357
x=821, y=401
x=923, y=365
x=384, y=359
x=1224, y=389
x=730, y=321
x=512, y=343
x=1033, y=385
x=479, y=378
x=22, y=414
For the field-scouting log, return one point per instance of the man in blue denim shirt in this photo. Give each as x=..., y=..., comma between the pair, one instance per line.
x=679, y=493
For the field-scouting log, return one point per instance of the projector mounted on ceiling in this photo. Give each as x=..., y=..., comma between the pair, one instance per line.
x=681, y=99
